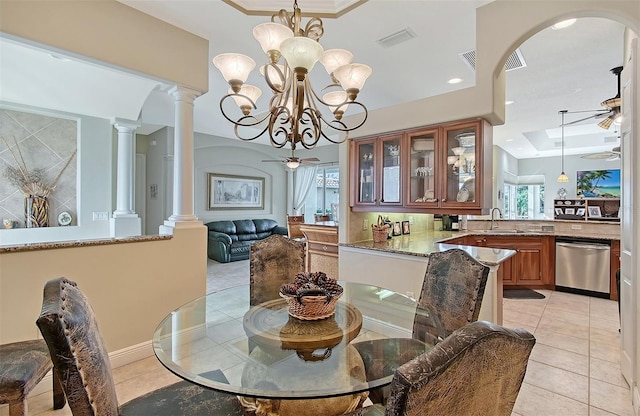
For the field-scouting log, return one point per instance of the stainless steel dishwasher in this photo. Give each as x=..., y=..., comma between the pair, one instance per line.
x=583, y=265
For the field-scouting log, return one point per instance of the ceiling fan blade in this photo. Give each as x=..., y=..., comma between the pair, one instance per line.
x=586, y=118
x=603, y=155
x=310, y=159
x=606, y=123
x=613, y=157
x=275, y=160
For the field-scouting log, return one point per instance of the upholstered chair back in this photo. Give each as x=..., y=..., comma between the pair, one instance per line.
x=453, y=288
x=273, y=261
x=69, y=327
x=477, y=370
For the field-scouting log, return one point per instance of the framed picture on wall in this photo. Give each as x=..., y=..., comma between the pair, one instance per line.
x=234, y=192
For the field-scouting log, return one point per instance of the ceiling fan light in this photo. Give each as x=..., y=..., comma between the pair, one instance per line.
x=293, y=164
x=301, y=52
x=563, y=178
x=234, y=66
x=270, y=35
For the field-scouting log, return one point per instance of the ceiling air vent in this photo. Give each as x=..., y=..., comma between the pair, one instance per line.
x=397, y=37
x=515, y=60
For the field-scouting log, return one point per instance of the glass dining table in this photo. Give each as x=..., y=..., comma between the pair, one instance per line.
x=221, y=341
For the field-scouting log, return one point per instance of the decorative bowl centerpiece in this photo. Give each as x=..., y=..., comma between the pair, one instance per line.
x=311, y=296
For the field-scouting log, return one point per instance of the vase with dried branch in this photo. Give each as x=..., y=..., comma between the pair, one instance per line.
x=33, y=185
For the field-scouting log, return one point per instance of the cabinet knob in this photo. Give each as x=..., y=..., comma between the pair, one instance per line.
x=324, y=248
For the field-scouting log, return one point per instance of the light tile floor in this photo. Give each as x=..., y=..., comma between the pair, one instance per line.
x=573, y=369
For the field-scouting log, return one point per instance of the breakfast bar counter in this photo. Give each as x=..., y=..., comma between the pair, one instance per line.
x=400, y=264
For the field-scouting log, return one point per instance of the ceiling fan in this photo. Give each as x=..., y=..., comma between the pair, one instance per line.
x=613, y=154
x=610, y=107
x=293, y=162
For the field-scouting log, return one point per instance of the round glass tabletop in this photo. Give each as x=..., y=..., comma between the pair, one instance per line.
x=222, y=342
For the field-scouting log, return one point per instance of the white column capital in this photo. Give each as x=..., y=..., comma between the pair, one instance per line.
x=180, y=93
x=125, y=126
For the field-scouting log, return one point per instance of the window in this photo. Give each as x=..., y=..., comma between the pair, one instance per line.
x=328, y=187
x=524, y=201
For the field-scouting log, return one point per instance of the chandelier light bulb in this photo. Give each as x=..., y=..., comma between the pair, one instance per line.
x=250, y=91
x=301, y=52
x=335, y=58
x=234, y=66
x=273, y=76
x=270, y=35
x=352, y=77
x=334, y=99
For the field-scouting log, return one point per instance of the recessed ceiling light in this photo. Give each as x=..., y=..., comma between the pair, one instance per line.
x=455, y=80
x=563, y=24
x=509, y=102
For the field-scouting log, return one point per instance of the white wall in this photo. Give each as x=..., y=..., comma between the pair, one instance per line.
x=550, y=167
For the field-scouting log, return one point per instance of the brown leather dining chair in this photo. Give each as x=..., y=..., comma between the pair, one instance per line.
x=23, y=365
x=69, y=327
x=274, y=261
x=477, y=370
x=450, y=298
x=293, y=226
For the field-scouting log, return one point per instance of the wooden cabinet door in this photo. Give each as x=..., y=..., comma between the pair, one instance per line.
x=506, y=269
x=528, y=266
x=363, y=173
x=389, y=177
x=422, y=173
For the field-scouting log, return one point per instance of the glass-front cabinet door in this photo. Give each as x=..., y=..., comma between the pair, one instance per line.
x=422, y=173
x=390, y=178
x=363, y=174
x=459, y=187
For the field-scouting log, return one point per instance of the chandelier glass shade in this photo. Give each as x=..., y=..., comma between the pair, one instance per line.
x=563, y=178
x=297, y=115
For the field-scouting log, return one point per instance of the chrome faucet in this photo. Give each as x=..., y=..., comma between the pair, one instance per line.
x=493, y=224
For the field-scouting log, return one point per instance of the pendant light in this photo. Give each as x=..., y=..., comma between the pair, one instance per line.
x=563, y=178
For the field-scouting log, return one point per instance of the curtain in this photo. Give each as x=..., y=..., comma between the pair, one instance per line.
x=305, y=178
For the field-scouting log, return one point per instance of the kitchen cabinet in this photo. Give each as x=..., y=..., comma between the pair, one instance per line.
x=587, y=209
x=615, y=266
x=533, y=264
x=375, y=172
x=442, y=169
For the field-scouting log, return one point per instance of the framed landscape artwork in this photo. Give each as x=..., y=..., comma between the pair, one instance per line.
x=598, y=183
x=234, y=192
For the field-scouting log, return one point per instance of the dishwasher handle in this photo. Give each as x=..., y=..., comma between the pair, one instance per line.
x=584, y=246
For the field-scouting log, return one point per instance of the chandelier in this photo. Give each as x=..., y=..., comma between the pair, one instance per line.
x=297, y=114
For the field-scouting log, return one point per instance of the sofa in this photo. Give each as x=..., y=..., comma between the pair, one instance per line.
x=231, y=240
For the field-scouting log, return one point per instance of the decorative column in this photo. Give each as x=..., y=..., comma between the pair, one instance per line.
x=125, y=222
x=183, y=211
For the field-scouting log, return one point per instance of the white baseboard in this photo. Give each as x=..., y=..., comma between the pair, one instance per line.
x=118, y=359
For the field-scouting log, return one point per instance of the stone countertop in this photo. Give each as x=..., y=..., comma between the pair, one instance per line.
x=423, y=243
x=80, y=243
x=556, y=228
